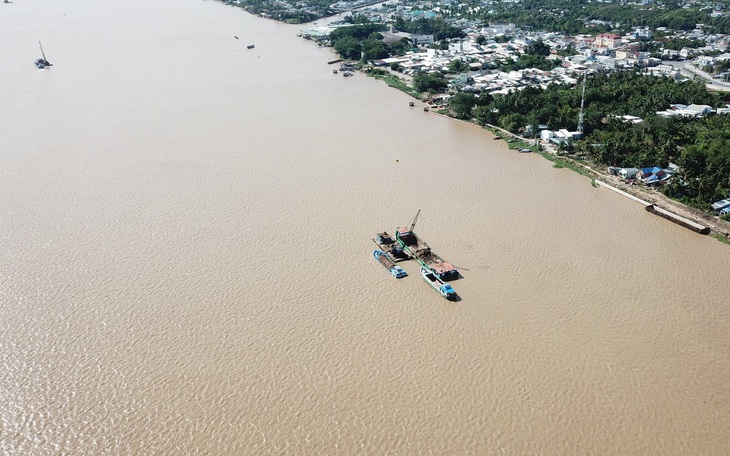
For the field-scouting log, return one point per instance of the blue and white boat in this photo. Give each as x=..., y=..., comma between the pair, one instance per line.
x=437, y=284
x=387, y=261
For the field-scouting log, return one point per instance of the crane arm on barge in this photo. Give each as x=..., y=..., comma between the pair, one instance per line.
x=415, y=219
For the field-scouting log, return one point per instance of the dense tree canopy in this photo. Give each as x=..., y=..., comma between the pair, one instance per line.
x=429, y=82
x=437, y=27
x=537, y=48
x=699, y=146
x=400, y=47
x=348, y=48
x=582, y=16
x=359, y=32
x=529, y=61
x=374, y=48
x=458, y=66
x=359, y=41
x=461, y=104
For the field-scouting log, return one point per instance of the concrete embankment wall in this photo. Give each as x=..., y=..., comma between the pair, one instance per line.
x=623, y=193
x=689, y=224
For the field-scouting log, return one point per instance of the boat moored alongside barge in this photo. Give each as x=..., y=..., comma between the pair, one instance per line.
x=444, y=289
x=384, y=259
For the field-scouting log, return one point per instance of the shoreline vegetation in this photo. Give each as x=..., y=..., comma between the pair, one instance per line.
x=719, y=229
x=622, y=127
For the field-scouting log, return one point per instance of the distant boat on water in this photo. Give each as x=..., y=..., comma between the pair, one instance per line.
x=42, y=62
x=250, y=46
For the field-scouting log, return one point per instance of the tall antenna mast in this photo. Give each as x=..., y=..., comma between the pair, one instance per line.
x=582, y=103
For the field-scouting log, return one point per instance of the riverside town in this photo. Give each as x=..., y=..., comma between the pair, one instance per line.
x=632, y=93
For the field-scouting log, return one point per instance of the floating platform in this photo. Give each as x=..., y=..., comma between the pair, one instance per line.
x=419, y=250
x=388, y=245
x=663, y=213
x=679, y=220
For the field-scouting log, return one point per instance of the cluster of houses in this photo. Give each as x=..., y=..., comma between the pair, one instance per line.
x=484, y=49
x=653, y=175
x=678, y=110
x=722, y=207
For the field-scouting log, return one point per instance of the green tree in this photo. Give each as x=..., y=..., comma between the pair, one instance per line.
x=429, y=82
x=458, y=66
x=513, y=122
x=348, y=48
x=461, y=104
x=538, y=48
x=357, y=19
x=400, y=47
x=373, y=49
x=359, y=32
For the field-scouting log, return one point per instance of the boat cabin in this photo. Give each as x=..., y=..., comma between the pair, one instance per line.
x=407, y=236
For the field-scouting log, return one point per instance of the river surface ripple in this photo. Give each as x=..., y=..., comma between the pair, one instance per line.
x=187, y=268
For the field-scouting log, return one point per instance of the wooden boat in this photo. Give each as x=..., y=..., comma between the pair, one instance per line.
x=444, y=289
x=385, y=260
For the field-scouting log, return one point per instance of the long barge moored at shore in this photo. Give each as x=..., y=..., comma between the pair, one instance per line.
x=419, y=250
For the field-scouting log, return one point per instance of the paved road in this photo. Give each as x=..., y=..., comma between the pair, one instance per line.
x=687, y=69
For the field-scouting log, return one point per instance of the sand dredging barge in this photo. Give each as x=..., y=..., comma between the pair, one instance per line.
x=418, y=249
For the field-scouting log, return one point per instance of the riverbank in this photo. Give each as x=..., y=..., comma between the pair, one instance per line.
x=719, y=229
x=144, y=312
